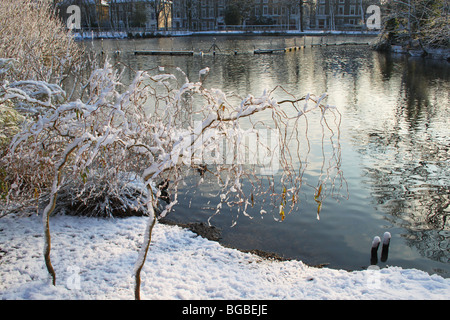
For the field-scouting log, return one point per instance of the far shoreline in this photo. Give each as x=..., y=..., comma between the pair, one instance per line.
x=91, y=35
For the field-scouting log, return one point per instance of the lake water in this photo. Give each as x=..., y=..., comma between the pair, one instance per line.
x=395, y=143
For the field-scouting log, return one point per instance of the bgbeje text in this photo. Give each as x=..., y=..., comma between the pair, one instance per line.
x=240, y=309
x=248, y=309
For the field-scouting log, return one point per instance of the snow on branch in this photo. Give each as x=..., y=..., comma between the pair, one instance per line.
x=159, y=129
x=132, y=145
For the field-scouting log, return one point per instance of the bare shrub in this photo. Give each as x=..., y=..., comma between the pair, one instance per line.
x=32, y=34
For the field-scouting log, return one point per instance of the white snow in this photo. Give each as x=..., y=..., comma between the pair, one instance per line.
x=376, y=242
x=94, y=259
x=386, y=238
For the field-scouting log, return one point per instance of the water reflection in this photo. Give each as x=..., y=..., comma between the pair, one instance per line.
x=407, y=154
x=395, y=133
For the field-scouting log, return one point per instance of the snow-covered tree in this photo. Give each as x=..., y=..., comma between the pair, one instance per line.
x=139, y=142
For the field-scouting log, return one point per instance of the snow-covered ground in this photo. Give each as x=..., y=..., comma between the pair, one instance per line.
x=94, y=259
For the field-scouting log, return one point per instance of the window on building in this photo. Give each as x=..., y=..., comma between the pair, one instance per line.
x=322, y=10
x=322, y=23
x=352, y=10
x=341, y=10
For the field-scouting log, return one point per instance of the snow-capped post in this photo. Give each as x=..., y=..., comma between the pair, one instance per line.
x=385, y=248
x=117, y=142
x=374, y=251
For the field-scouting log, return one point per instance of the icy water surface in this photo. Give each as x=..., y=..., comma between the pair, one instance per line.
x=394, y=135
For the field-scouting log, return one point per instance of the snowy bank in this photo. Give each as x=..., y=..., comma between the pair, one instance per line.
x=94, y=259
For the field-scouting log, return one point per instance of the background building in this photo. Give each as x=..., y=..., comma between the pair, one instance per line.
x=198, y=15
x=341, y=14
x=204, y=15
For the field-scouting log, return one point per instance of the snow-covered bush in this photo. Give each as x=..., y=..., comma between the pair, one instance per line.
x=34, y=46
x=137, y=144
x=9, y=126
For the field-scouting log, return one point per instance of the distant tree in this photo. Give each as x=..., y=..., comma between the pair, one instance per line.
x=424, y=21
x=294, y=6
x=232, y=16
x=139, y=15
x=238, y=11
x=163, y=13
x=189, y=8
x=89, y=14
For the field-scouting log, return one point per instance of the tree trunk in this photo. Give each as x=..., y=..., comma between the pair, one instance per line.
x=301, y=15
x=45, y=219
x=51, y=206
x=47, y=245
x=143, y=252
